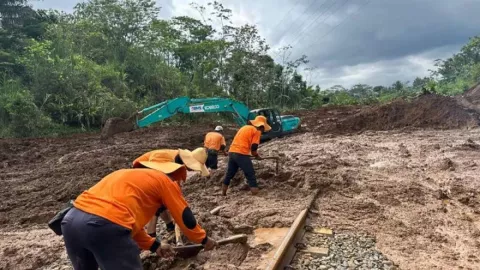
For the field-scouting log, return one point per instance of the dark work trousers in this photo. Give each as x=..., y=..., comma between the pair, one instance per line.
x=243, y=162
x=212, y=159
x=93, y=241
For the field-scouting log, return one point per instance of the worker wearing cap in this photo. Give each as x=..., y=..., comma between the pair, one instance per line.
x=244, y=145
x=182, y=157
x=105, y=228
x=214, y=143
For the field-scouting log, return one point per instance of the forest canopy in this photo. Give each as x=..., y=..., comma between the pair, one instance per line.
x=108, y=58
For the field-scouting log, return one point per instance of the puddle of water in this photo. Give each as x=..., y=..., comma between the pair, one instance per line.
x=274, y=237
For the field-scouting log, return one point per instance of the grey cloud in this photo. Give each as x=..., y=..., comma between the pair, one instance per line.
x=389, y=29
x=64, y=5
x=382, y=35
x=383, y=72
x=68, y=6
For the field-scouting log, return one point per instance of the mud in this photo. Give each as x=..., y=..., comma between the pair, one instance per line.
x=424, y=214
x=426, y=111
x=415, y=188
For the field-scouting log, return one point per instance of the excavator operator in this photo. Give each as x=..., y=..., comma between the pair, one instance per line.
x=194, y=160
x=245, y=145
x=105, y=227
x=215, y=143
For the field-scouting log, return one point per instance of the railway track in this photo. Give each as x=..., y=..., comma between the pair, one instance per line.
x=307, y=247
x=292, y=241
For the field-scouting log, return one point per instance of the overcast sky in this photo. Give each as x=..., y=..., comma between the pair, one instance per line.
x=349, y=41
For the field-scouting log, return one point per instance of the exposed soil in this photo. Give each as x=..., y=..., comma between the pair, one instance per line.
x=426, y=111
x=423, y=208
x=406, y=173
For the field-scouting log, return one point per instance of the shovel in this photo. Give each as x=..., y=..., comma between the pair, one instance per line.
x=276, y=162
x=178, y=236
x=193, y=250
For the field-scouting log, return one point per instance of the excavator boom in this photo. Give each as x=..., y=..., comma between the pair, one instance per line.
x=185, y=105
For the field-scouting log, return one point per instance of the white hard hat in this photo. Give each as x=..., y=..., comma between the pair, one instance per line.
x=218, y=128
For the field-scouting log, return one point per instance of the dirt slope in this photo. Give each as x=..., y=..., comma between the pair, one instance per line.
x=426, y=111
x=416, y=191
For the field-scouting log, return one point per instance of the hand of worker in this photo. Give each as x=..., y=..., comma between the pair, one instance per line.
x=211, y=244
x=165, y=251
x=256, y=155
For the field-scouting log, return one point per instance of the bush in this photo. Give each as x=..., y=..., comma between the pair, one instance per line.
x=19, y=114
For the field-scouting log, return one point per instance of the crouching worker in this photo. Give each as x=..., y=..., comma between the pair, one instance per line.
x=194, y=161
x=214, y=143
x=245, y=145
x=105, y=228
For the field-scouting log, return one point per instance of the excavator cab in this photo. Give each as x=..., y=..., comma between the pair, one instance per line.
x=273, y=119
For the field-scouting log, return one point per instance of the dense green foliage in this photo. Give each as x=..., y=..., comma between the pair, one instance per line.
x=112, y=57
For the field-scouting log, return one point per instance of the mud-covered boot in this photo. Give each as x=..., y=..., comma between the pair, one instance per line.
x=224, y=189
x=245, y=187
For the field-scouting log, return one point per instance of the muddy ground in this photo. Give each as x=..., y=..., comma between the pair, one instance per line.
x=413, y=185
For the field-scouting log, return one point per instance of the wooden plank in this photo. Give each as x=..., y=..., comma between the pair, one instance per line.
x=325, y=231
x=316, y=251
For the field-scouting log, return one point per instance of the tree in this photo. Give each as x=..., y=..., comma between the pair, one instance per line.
x=457, y=73
x=12, y=13
x=114, y=57
x=418, y=83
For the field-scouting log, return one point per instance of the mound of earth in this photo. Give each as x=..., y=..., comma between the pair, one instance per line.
x=473, y=94
x=426, y=111
x=324, y=118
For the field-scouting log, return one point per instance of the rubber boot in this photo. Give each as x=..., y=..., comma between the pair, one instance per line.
x=224, y=189
x=245, y=187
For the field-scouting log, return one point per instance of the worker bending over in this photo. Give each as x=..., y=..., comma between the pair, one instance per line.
x=244, y=145
x=105, y=228
x=194, y=160
x=214, y=143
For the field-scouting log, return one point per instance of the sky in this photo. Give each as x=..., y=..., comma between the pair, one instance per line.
x=347, y=42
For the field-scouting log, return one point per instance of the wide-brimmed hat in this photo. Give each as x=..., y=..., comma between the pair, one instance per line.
x=195, y=159
x=261, y=121
x=162, y=161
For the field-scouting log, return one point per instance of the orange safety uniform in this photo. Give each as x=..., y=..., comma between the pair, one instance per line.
x=214, y=141
x=244, y=139
x=130, y=198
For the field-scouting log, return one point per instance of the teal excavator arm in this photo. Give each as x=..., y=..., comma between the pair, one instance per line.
x=169, y=108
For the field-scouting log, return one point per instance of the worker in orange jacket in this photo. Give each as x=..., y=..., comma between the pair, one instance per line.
x=245, y=145
x=105, y=228
x=214, y=143
x=194, y=160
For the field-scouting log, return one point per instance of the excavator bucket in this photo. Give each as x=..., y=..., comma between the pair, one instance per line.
x=117, y=125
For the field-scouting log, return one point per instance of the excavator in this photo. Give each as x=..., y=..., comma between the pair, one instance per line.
x=281, y=124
